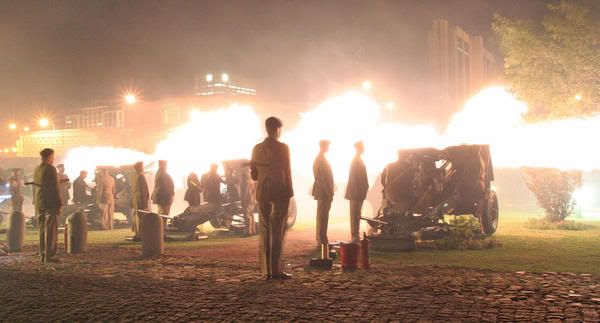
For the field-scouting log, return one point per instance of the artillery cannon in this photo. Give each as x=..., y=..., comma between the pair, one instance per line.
x=426, y=184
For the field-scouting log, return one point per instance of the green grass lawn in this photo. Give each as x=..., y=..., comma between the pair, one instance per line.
x=522, y=249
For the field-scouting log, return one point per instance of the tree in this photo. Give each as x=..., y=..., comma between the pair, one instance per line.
x=555, y=64
x=553, y=190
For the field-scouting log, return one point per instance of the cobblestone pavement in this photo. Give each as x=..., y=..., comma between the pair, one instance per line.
x=221, y=283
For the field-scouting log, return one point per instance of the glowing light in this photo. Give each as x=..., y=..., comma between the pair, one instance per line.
x=209, y=77
x=225, y=77
x=88, y=158
x=12, y=126
x=130, y=98
x=6, y=150
x=578, y=97
x=366, y=85
x=389, y=106
x=44, y=122
x=26, y=128
x=14, y=149
x=226, y=133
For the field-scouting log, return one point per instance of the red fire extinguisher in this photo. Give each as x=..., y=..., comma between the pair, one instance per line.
x=364, y=252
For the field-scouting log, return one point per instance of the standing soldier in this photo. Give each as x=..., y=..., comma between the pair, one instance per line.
x=192, y=194
x=322, y=191
x=65, y=184
x=47, y=204
x=80, y=189
x=211, y=185
x=248, y=189
x=16, y=191
x=270, y=166
x=140, y=197
x=356, y=191
x=164, y=189
x=106, y=199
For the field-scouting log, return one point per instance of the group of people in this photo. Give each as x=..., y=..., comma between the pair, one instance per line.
x=269, y=184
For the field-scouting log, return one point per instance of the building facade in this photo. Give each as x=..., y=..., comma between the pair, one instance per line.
x=459, y=65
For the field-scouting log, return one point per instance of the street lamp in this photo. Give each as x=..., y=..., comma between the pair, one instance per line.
x=209, y=78
x=12, y=126
x=389, y=106
x=578, y=97
x=130, y=98
x=225, y=77
x=44, y=123
x=26, y=128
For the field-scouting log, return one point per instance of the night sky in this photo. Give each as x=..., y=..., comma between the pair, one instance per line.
x=62, y=54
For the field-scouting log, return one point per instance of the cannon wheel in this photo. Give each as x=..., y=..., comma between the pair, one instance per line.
x=488, y=212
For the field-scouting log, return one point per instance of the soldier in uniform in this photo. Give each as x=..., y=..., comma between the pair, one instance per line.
x=80, y=189
x=47, y=204
x=322, y=191
x=356, y=191
x=164, y=189
x=192, y=194
x=211, y=185
x=140, y=197
x=16, y=191
x=106, y=199
x=65, y=184
x=270, y=166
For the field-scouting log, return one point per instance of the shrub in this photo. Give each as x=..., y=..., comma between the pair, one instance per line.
x=544, y=224
x=553, y=190
x=464, y=236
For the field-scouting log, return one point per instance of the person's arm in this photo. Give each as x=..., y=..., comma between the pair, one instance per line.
x=144, y=193
x=253, y=167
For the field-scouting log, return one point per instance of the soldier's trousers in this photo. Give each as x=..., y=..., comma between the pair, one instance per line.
x=108, y=216
x=164, y=209
x=273, y=226
x=136, y=226
x=323, y=207
x=48, y=225
x=355, y=211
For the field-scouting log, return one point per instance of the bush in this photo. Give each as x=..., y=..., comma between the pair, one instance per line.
x=544, y=224
x=464, y=236
x=553, y=190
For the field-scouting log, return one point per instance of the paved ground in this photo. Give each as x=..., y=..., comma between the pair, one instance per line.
x=220, y=282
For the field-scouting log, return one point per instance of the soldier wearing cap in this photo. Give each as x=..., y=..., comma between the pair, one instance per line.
x=139, y=199
x=210, y=184
x=322, y=191
x=80, y=189
x=47, y=204
x=356, y=191
x=65, y=184
x=270, y=167
x=164, y=189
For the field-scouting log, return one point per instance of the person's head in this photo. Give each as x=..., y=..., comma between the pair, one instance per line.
x=104, y=172
x=214, y=168
x=47, y=155
x=61, y=168
x=162, y=165
x=324, y=146
x=83, y=174
x=139, y=167
x=273, y=126
x=400, y=155
x=360, y=147
x=15, y=172
x=193, y=176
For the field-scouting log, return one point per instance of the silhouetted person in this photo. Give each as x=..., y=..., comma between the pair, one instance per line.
x=231, y=181
x=270, y=166
x=105, y=195
x=64, y=184
x=80, y=189
x=248, y=189
x=356, y=191
x=192, y=194
x=211, y=185
x=164, y=189
x=16, y=191
x=47, y=204
x=140, y=198
x=322, y=191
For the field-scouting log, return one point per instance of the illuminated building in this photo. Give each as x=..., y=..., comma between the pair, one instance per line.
x=459, y=64
x=102, y=116
x=211, y=85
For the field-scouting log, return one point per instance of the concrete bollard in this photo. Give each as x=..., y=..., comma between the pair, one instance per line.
x=152, y=235
x=16, y=231
x=76, y=233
